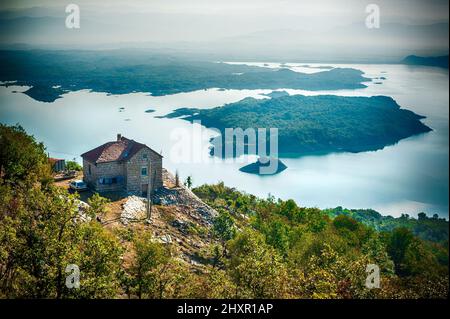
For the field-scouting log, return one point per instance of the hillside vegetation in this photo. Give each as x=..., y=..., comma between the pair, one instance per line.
x=433, y=228
x=253, y=248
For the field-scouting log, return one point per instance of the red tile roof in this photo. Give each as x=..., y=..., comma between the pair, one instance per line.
x=120, y=150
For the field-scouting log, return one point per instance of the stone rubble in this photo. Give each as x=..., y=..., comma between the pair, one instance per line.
x=82, y=207
x=182, y=196
x=134, y=209
x=172, y=224
x=165, y=239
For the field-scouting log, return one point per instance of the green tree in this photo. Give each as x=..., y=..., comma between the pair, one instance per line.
x=98, y=257
x=277, y=235
x=212, y=283
x=97, y=206
x=224, y=226
x=398, y=243
x=188, y=182
x=73, y=166
x=256, y=268
x=43, y=234
x=22, y=159
x=177, y=179
x=330, y=274
x=151, y=259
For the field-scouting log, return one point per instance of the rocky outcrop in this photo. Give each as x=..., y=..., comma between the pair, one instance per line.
x=134, y=209
x=183, y=197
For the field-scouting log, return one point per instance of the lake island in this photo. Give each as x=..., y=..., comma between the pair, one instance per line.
x=316, y=124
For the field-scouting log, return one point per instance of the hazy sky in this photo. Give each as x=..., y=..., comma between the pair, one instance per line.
x=322, y=10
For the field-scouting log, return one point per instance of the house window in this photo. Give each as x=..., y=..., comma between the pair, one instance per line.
x=144, y=156
x=144, y=171
x=89, y=168
x=111, y=180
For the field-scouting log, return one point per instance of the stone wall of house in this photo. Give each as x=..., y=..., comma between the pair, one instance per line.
x=89, y=175
x=104, y=170
x=134, y=166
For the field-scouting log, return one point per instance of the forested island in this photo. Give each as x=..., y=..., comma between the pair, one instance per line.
x=44, y=94
x=437, y=61
x=275, y=94
x=127, y=71
x=255, y=168
x=316, y=124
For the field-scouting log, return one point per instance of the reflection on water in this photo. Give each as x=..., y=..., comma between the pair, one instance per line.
x=409, y=177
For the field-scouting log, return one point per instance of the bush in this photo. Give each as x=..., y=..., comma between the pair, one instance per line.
x=73, y=166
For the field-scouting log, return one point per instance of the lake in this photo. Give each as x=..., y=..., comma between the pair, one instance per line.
x=409, y=177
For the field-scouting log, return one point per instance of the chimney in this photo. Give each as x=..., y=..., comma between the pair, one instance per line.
x=119, y=137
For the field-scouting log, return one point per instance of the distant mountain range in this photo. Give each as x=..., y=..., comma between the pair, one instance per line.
x=38, y=28
x=349, y=43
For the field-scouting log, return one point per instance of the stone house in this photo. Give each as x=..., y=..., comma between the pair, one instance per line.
x=123, y=165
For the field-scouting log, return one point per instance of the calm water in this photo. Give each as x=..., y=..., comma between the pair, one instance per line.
x=409, y=177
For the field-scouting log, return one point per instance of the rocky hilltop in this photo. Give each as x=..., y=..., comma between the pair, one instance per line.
x=178, y=217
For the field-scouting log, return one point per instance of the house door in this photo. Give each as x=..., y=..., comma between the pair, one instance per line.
x=144, y=190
